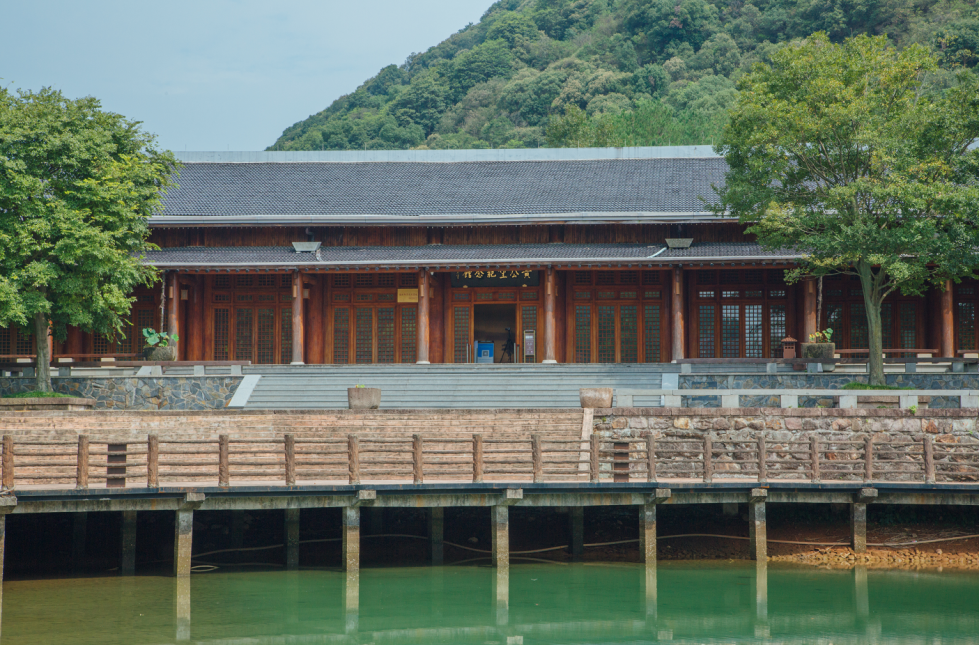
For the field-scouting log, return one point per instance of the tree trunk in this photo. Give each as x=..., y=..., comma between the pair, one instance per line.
x=872, y=303
x=43, y=371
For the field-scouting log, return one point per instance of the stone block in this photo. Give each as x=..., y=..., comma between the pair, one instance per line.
x=682, y=423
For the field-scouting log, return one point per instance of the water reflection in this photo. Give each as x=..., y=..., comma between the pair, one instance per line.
x=540, y=604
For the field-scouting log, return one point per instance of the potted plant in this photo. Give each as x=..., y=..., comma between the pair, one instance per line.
x=363, y=398
x=159, y=345
x=820, y=346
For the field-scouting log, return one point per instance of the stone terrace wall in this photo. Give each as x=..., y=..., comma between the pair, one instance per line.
x=140, y=392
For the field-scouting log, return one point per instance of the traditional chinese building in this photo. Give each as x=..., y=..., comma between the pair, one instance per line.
x=593, y=255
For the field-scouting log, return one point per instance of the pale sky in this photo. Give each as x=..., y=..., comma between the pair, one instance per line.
x=216, y=74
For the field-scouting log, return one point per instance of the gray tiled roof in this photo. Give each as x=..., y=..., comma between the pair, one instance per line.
x=452, y=254
x=634, y=188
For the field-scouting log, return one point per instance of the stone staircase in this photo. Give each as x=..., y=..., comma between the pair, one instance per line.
x=467, y=386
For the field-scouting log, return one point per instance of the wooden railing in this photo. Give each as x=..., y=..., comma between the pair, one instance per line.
x=292, y=460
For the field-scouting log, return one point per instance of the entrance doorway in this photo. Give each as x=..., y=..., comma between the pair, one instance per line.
x=490, y=324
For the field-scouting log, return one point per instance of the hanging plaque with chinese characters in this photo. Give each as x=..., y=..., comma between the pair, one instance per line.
x=496, y=278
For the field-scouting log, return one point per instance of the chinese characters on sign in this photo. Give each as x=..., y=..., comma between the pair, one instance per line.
x=496, y=278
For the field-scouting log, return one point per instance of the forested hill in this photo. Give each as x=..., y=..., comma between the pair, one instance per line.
x=604, y=72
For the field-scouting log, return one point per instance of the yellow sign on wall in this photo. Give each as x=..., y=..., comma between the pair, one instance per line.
x=407, y=295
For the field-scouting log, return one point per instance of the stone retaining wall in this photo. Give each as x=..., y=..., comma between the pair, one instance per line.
x=140, y=392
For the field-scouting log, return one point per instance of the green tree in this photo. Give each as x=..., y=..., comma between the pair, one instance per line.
x=76, y=187
x=841, y=152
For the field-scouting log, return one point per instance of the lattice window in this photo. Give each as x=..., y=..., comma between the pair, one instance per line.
x=908, y=330
x=460, y=295
x=776, y=276
x=266, y=297
x=582, y=295
x=707, y=277
x=605, y=295
x=460, y=334
x=221, y=333
x=966, y=325
x=408, y=280
x=886, y=325
x=754, y=332
x=582, y=334
x=5, y=337
x=629, y=334
x=582, y=277
x=706, y=331
x=385, y=297
x=100, y=344
x=341, y=281
x=364, y=297
x=222, y=297
x=341, y=297
x=385, y=335
x=606, y=334
x=628, y=277
x=265, y=348
x=730, y=276
x=650, y=332
x=652, y=294
x=222, y=282
x=651, y=277
x=285, y=336
x=243, y=334
x=604, y=277
x=730, y=331
x=528, y=295
x=628, y=295
x=363, y=280
x=267, y=280
x=834, y=317
x=528, y=322
x=754, y=276
x=409, y=334
x=859, y=338
x=341, y=335
x=776, y=329
x=244, y=281
x=386, y=280
x=364, y=335
x=506, y=295
x=244, y=297
x=485, y=295
x=25, y=343
x=285, y=281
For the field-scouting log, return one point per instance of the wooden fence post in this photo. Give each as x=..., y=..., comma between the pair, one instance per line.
x=814, y=456
x=708, y=459
x=762, y=458
x=868, y=458
x=929, y=461
x=593, y=454
x=650, y=457
x=290, y=460
x=8, y=462
x=477, y=458
x=417, y=459
x=81, y=477
x=224, y=466
x=152, y=461
x=353, y=458
x=535, y=450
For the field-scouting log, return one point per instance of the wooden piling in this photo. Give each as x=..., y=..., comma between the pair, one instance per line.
x=183, y=542
x=152, y=461
x=537, y=457
x=858, y=527
x=290, y=458
x=595, y=446
x=353, y=458
x=224, y=460
x=417, y=459
x=929, y=451
x=351, y=539
x=757, y=525
x=814, y=457
x=500, y=530
x=477, y=458
x=8, y=462
x=647, y=534
x=81, y=471
x=650, y=456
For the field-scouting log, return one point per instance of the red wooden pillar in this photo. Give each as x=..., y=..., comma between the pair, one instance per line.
x=73, y=344
x=436, y=318
x=550, y=317
x=173, y=311
x=316, y=333
x=424, y=294
x=948, y=322
x=195, y=321
x=298, y=334
x=676, y=313
x=809, y=322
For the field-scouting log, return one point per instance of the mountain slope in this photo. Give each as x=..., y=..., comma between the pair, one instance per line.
x=604, y=72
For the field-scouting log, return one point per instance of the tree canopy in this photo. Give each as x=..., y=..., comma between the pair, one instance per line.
x=508, y=80
x=77, y=185
x=842, y=152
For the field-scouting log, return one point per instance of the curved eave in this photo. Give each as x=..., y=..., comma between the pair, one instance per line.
x=636, y=217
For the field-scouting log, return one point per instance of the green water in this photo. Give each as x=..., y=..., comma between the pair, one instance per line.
x=541, y=603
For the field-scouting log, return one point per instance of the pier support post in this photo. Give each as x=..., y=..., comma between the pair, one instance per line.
x=757, y=526
x=436, y=533
x=183, y=539
x=351, y=539
x=351, y=602
x=861, y=593
x=128, y=566
x=181, y=607
x=79, y=529
x=647, y=534
x=858, y=519
x=500, y=529
x=292, y=539
x=576, y=519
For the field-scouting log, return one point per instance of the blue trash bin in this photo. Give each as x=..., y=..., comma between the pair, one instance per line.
x=484, y=352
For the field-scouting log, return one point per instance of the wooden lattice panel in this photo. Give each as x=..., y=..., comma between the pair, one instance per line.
x=341, y=334
x=730, y=331
x=460, y=334
x=265, y=347
x=582, y=334
x=754, y=331
x=776, y=329
x=629, y=334
x=409, y=334
x=364, y=335
x=285, y=336
x=651, y=332
x=705, y=337
x=385, y=335
x=606, y=334
x=244, y=334
x=221, y=333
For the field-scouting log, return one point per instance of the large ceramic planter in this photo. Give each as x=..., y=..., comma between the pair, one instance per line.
x=596, y=397
x=162, y=354
x=825, y=351
x=363, y=398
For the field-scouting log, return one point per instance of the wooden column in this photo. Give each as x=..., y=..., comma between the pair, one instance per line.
x=195, y=321
x=424, y=294
x=561, y=318
x=809, y=322
x=436, y=317
x=676, y=313
x=73, y=344
x=550, y=316
x=948, y=322
x=298, y=333
x=173, y=310
x=316, y=334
